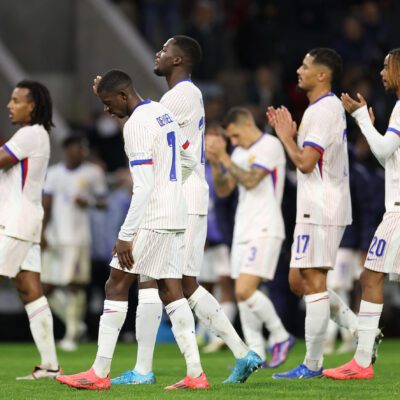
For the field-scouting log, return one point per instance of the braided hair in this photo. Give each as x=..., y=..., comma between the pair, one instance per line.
x=42, y=114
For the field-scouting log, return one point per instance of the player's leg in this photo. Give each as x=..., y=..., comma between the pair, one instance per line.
x=183, y=328
x=111, y=321
x=148, y=318
x=21, y=260
x=30, y=292
x=51, y=277
x=73, y=273
x=340, y=313
x=204, y=305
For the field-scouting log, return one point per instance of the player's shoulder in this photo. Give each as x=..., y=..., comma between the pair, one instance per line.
x=184, y=90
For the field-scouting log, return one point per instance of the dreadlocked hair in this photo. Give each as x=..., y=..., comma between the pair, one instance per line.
x=394, y=67
x=42, y=114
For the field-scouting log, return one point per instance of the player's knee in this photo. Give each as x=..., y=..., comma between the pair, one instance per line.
x=242, y=292
x=115, y=290
x=296, y=286
x=29, y=293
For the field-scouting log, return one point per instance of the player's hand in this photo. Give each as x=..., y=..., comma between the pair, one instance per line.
x=271, y=116
x=82, y=202
x=216, y=147
x=43, y=243
x=285, y=127
x=352, y=105
x=96, y=82
x=123, y=250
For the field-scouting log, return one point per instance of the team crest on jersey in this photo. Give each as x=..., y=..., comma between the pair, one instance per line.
x=251, y=159
x=83, y=183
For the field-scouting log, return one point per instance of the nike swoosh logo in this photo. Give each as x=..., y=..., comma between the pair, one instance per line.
x=298, y=258
x=370, y=259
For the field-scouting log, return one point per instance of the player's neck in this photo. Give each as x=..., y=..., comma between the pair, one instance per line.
x=318, y=92
x=254, y=136
x=176, y=77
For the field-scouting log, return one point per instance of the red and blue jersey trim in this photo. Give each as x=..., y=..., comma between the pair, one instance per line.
x=148, y=161
x=390, y=129
x=186, y=145
x=315, y=146
x=9, y=151
x=24, y=171
x=272, y=172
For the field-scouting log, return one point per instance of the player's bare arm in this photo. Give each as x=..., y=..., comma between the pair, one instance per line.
x=123, y=249
x=6, y=159
x=249, y=179
x=286, y=129
x=47, y=201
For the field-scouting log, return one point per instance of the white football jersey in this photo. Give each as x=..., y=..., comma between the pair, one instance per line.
x=259, y=211
x=69, y=224
x=323, y=195
x=392, y=167
x=21, y=185
x=151, y=136
x=185, y=101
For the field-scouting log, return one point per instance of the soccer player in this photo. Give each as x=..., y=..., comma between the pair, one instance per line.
x=150, y=242
x=72, y=186
x=323, y=194
x=257, y=167
x=175, y=61
x=383, y=255
x=23, y=163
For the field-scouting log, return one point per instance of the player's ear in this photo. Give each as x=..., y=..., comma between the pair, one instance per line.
x=177, y=60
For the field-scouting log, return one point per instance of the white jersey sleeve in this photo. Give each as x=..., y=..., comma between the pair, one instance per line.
x=50, y=182
x=19, y=147
x=143, y=184
x=98, y=183
x=185, y=102
x=319, y=130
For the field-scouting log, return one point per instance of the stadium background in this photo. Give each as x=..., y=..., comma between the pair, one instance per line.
x=251, y=50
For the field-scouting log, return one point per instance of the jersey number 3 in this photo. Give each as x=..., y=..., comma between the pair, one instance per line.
x=172, y=144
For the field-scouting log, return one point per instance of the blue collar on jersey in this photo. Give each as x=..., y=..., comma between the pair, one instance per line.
x=183, y=80
x=143, y=102
x=320, y=98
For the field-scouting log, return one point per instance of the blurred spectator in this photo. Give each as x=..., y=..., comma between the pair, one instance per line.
x=72, y=186
x=206, y=28
x=216, y=263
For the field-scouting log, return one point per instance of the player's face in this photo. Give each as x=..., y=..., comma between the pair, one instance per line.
x=164, y=58
x=235, y=133
x=385, y=74
x=307, y=74
x=75, y=153
x=115, y=104
x=20, y=106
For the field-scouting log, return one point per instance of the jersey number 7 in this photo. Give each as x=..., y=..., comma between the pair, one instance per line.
x=171, y=143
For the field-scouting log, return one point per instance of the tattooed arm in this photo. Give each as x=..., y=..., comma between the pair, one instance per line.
x=249, y=179
x=224, y=183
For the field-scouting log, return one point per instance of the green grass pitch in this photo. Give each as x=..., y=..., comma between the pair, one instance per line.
x=18, y=359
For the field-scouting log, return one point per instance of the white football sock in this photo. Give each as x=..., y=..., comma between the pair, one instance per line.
x=182, y=320
x=209, y=312
x=41, y=325
x=252, y=329
x=75, y=309
x=341, y=313
x=264, y=310
x=114, y=314
x=317, y=318
x=368, y=321
x=148, y=318
x=58, y=302
x=331, y=332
